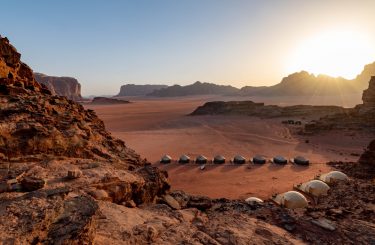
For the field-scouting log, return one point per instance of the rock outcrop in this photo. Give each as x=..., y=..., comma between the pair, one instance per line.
x=107, y=101
x=138, y=90
x=361, y=117
x=368, y=96
x=250, y=108
x=197, y=88
x=368, y=157
x=62, y=86
x=43, y=138
x=15, y=76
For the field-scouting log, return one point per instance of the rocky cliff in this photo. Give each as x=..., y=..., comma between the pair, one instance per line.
x=62, y=86
x=197, y=88
x=361, y=117
x=15, y=76
x=57, y=161
x=368, y=96
x=138, y=90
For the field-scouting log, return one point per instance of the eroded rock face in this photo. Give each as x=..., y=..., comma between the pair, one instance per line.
x=138, y=90
x=368, y=157
x=62, y=86
x=15, y=75
x=368, y=96
x=42, y=138
x=361, y=117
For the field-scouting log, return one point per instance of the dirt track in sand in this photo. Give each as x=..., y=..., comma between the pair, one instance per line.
x=154, y=127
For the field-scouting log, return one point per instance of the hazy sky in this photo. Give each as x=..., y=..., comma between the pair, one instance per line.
x=105, y=44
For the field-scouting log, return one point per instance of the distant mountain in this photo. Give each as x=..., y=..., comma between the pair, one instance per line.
x=197, y=88
x=304, y=83
x=297, y=84
x=63, y=86
x=138, y=90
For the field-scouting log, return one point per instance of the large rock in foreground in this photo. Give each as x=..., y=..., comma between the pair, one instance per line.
x=45, y=140
x=62, y=86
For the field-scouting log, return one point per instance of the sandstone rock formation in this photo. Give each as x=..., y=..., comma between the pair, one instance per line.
x=368, y=96
x=42, y=138
x=197, y=88
x=368, y=157
x=266, y=111
x=62, y=86
x=307, y=84
x=361, y=117
x=365, y=168
x=107, y=101
x=296, y=84
x=15, y=76
x=138, y=90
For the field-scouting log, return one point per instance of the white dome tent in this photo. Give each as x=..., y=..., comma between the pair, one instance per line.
x=333, y=176
x=315, y=188
x=253, y=200
x=219, y=159
x=184, y=159
x=166, y=159
x=291, y=199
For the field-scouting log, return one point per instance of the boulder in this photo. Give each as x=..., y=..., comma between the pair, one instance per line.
x=32, y=183
x=170, y=201
x=199, y=202
x=74, y=174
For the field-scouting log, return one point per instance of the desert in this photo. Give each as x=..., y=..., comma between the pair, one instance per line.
x=187, y=122
x=154, y=127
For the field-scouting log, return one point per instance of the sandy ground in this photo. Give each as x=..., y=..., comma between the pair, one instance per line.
x=154, y=127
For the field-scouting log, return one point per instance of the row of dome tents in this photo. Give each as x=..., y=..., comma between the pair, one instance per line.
x=238, y=159
x=314, y=189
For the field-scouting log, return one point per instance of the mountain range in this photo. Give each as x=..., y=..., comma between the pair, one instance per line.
x=296, y=84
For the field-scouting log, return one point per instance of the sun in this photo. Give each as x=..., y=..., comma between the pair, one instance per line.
x=333, y=53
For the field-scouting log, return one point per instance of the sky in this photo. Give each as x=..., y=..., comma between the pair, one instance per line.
x=105, y=44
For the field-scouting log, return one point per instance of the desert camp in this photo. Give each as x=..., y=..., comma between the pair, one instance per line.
x=166, y=159
x=259, y=159
x=333, y=176
x=279, y=160
x=315, y=188
x=238, y=159
x=300, y=160
x=184, y=159
x=201, y=159
x=291, y=200
x=218, y=159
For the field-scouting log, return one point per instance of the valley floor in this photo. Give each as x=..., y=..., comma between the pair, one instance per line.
x=154, y=127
